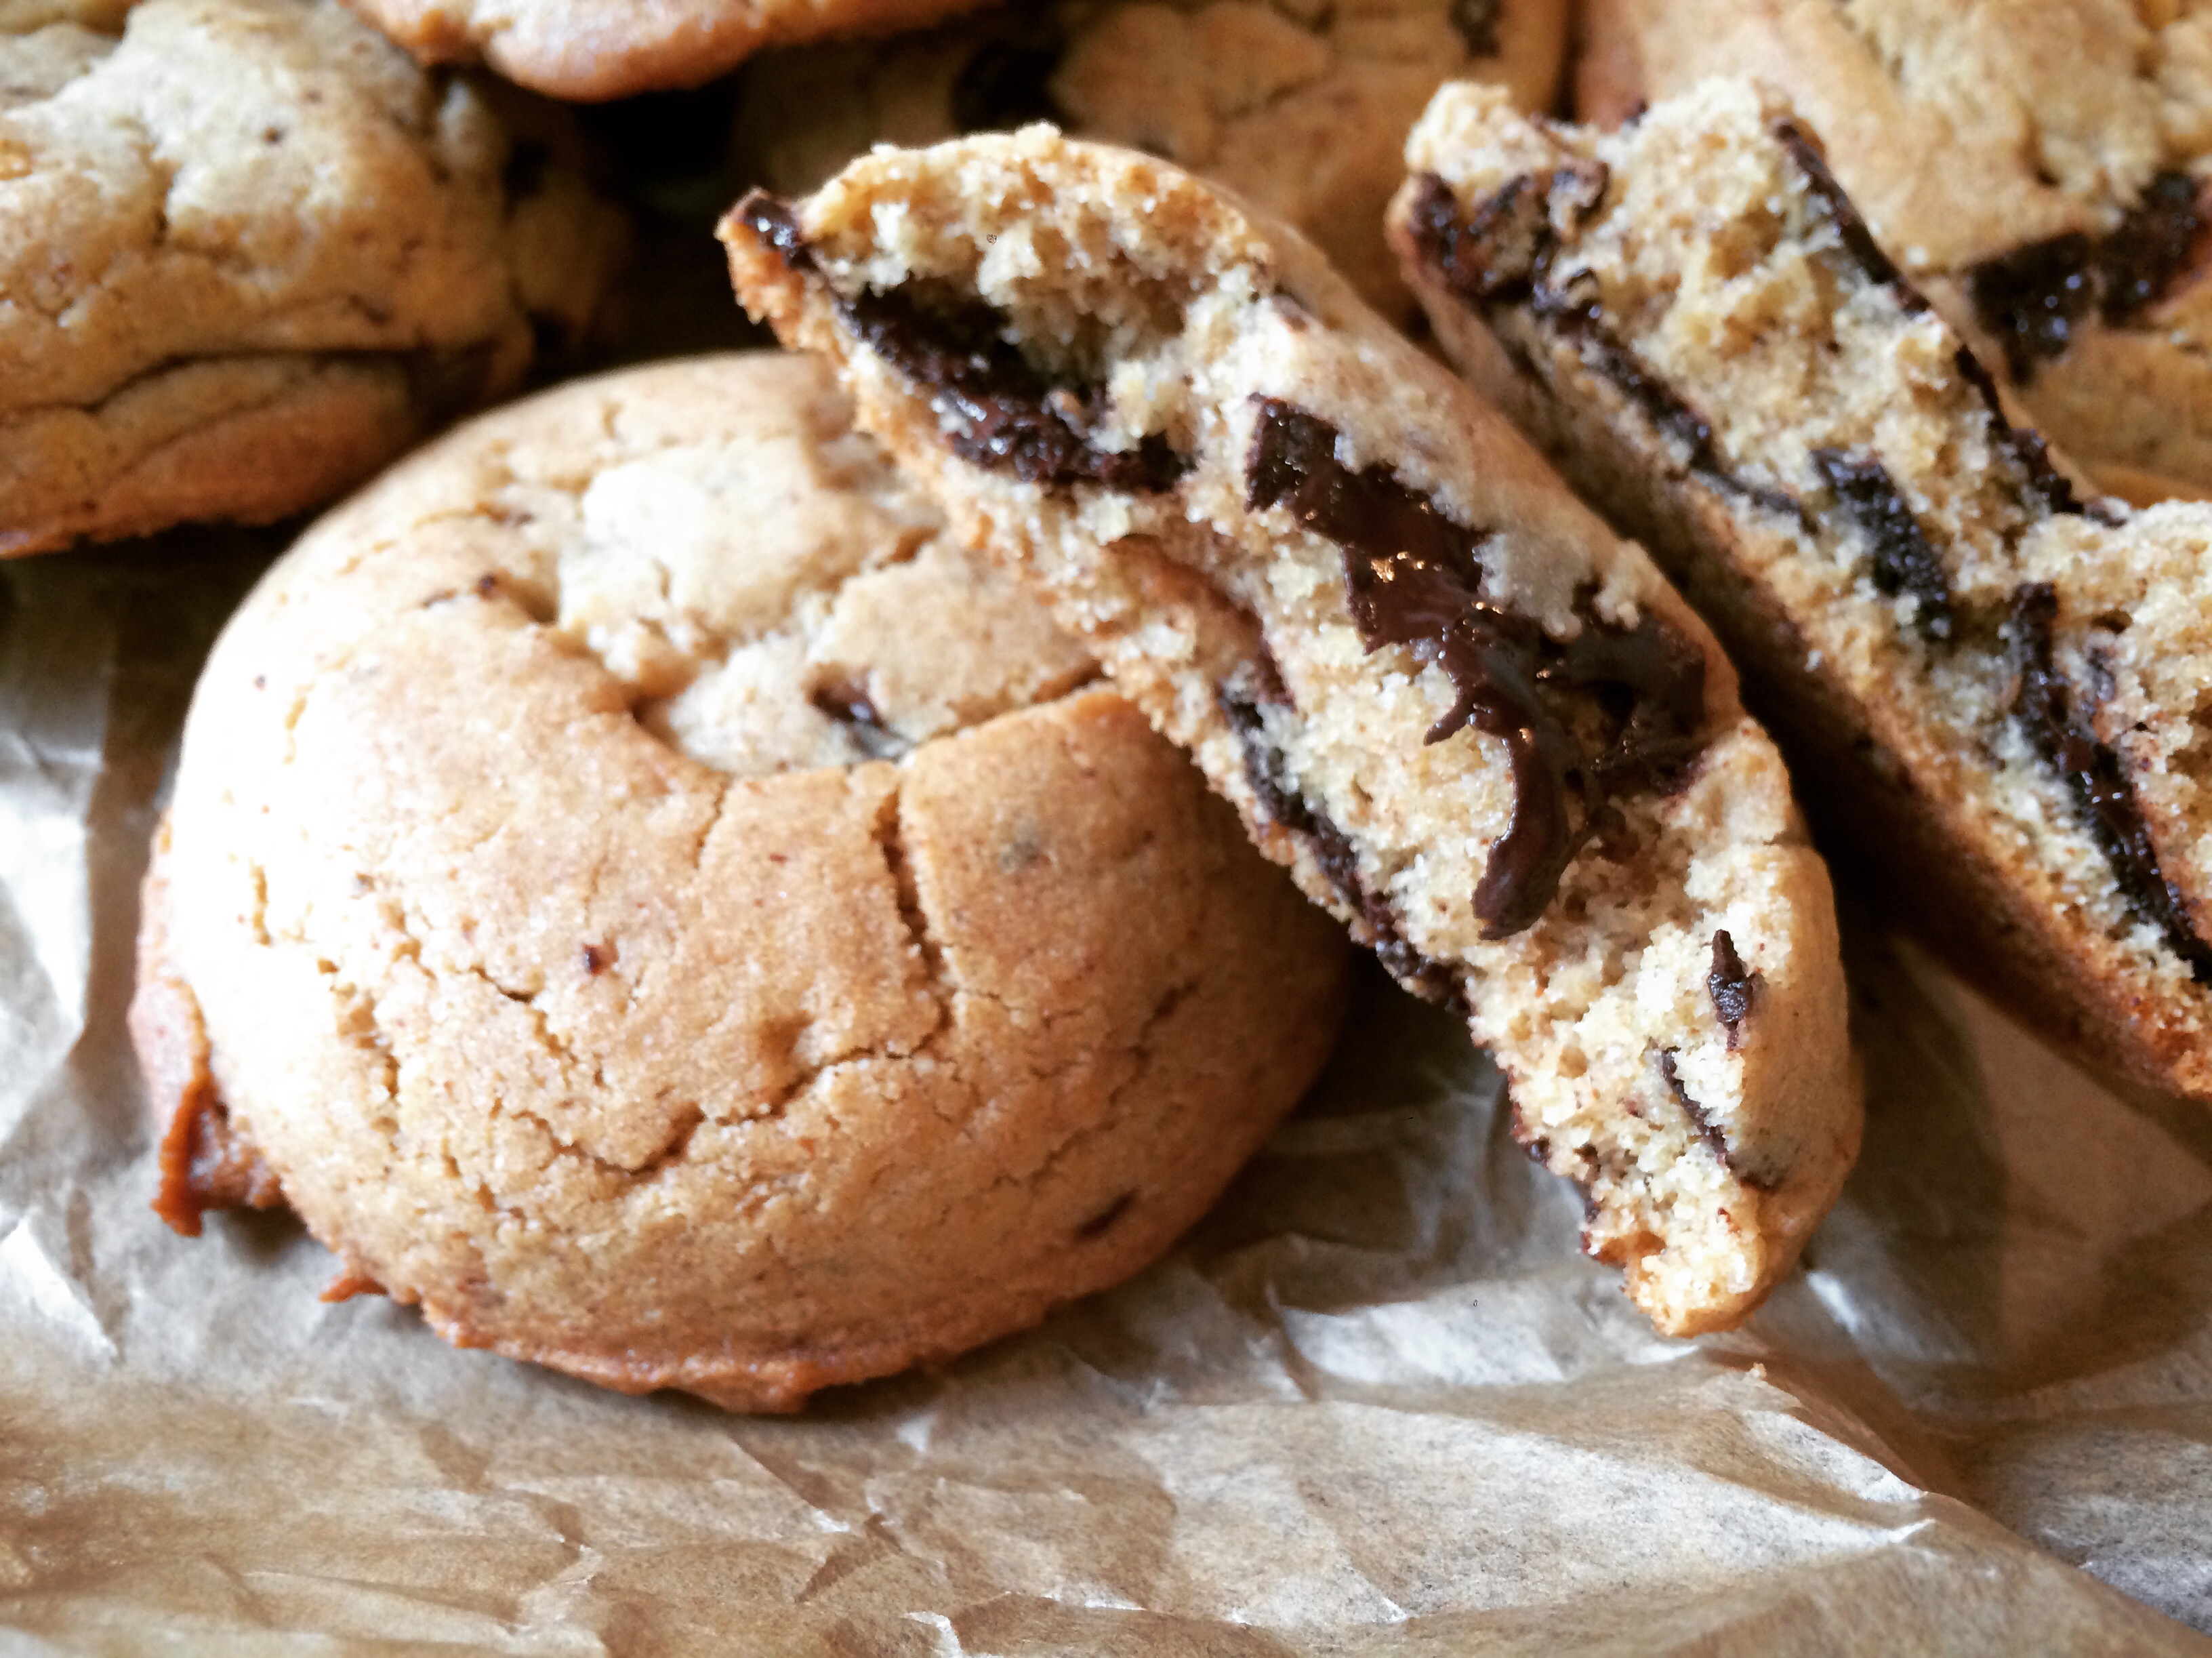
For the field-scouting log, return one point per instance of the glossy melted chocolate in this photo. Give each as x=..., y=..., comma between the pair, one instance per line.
x=996, y=410
x=2095, y=775
x=2033, y=298
x=1610, y=712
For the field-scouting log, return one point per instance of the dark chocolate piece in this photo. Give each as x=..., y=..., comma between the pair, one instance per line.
x=1850, y=229
x=2094, y=776
x=1008, y=81
x=1284, y=803
x=2149, y=247
x=596, y=958
x=847, y=702
x=1732, y=989
x=2032, y=297
x=1609, y=712
x=1502, y=254
x=1708, y=1129
x=996, y=409
x=1903, y=560
x=1477, y=23
x=2027, y=449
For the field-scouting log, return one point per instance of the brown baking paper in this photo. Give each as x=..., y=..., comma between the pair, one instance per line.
x=1376, y=1403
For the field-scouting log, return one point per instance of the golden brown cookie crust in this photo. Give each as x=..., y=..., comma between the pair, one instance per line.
x=1301, y=109
x=741, y=1077
x=589, y=50
x=248, y=253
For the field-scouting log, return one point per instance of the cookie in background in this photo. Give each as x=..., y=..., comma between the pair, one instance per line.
x=1477, y=726
x=2035, y=167
x=1301, y=108
x=592, y=49
x=639, y=890
x=249, y=252
x=1994, y=682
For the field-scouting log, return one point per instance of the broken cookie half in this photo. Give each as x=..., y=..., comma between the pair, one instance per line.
x=1477, y=726
x=2002, y=686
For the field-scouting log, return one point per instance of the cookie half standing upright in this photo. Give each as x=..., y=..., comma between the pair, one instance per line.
x=1301, y=108
x=1478, y=727
x=249, y=252
x=639, y=890
x=2001, y=683
x=597, y=49
x=2035, y=169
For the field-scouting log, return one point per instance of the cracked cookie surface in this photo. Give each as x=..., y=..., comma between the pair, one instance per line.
x=1301, y=107
x=248, y=253
x=1476, y=725
x=594, y=49
x=636, y=887
x=2037, y=167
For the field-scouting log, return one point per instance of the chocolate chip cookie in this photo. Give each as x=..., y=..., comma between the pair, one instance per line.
x=1303, y=108
x=1476, y=725
x=1998, y=678
x=248, y=253
x=595, y=49
x=2032, y=166
x=639, y=890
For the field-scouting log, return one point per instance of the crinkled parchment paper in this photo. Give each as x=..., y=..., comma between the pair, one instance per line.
x=1376, y=1403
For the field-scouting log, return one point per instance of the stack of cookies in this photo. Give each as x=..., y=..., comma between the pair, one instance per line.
x=755, y=870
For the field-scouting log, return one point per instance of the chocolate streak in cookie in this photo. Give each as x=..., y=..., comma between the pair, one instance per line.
x=1412, y=580
x=997, y=410
x=1500, y=254
x=2094, y=776
x=2032, y=298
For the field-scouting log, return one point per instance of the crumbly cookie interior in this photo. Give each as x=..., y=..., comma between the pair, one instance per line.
x=1722, y=308
x=1165, y=322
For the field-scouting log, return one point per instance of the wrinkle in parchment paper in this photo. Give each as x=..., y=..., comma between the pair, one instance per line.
x=1376, y=1403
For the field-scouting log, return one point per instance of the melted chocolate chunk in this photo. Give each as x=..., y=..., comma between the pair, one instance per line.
x=1708, y=1129
x=2094, y=776
x=1477, y=23
x=1609, y=712
x=996, y=409
x=1850, y=230
x=2150, y=247
x=2033, y=297
x=848, y=703
x=1732, y=989
x=1283, y=801
x=2027, y=449
x=1502, y=254
x=1008, y=81
x=1903, y=560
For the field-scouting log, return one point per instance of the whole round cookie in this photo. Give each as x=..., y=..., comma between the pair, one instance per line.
x=248, y=253
x=638, y=889
x=594, y=49
x=2034, y=166
x=1301, y=107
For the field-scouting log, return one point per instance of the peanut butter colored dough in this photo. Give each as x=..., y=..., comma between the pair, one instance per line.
x=651, y=900
x=248, y=253
x=593, y=49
